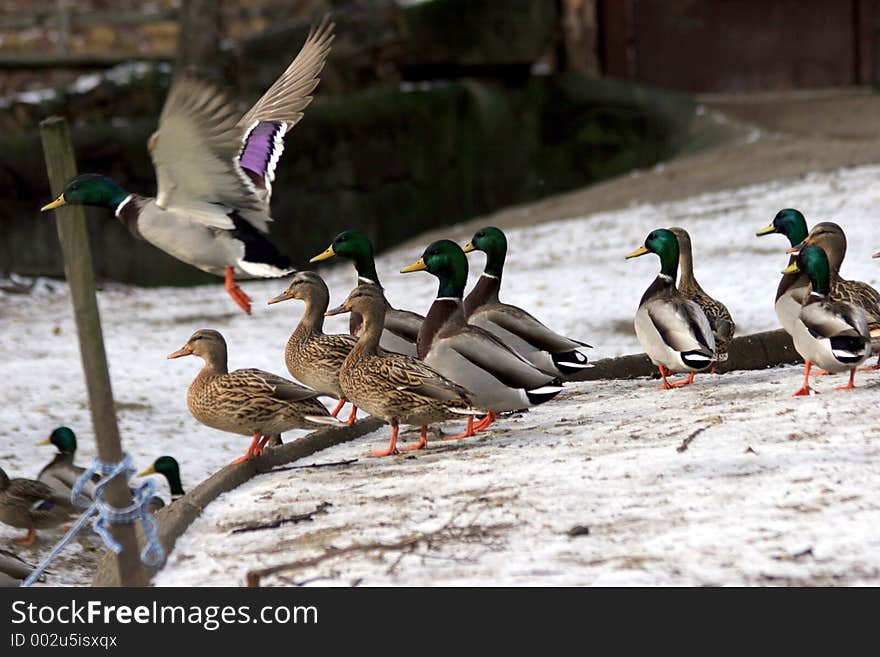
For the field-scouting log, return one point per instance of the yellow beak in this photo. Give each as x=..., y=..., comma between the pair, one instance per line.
x=48, y=441
x=58, y=202
x=638, y=252
x=185, y=350
x=148, y=471
x=791, y=269
x=766, y=230
x=467, y=248
x=418, y=265
x=329, y=253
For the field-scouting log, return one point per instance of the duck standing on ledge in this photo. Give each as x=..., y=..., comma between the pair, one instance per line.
x=719, y=317
x=394, y=387
x=401, y=326
x=497, y=377
x=249, y=402
x=541, y=346
x=835, y=335
x=312, y=356
x=214, y=172
x=674, y=331
x=830, y=238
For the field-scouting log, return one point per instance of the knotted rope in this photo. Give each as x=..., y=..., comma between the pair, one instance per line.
x=152, y=555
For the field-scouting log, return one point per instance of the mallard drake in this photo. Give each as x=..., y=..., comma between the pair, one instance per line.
x=794, y=287
x=835, y=335
x=401, y=326
x=394, y=387
x=498, y=378
x=214, y=170
x=674, y=332
x=31, y=505
x=831, y=239
x=168, y=467
x=312, y=356
x=13, y=569
x=249, y=402
x=719, y=317
x=60, y=473
x=538, y=344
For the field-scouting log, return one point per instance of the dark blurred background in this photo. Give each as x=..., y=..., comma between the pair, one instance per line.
x=428, y=113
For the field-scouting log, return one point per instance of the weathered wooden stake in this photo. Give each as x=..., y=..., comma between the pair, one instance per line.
x=70, y=220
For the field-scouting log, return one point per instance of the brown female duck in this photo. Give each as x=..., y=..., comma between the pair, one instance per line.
x=719, y=317
x=249, y=402
x=312, y=356
x=396, y=388
x=31, y=505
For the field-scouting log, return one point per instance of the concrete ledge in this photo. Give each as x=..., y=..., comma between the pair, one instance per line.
x=749, y=352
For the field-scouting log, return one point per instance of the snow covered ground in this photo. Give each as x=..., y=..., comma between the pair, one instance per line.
x=773, y=490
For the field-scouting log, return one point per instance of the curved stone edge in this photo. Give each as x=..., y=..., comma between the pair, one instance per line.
x=757, y=351
x=174, y=519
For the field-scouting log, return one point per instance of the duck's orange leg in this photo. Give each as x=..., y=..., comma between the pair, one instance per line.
x=483, y=424
x=663, y=374
x=28, y=539
x=468, y=432
x=251, y=450
x=686, y=382
x=423, y=442
x=805, y=389
x=338, y=408
x=851, y=384
x=871, y=368
x=237, y=294
x=392, y=444
x=353, y=416
x=261, y=446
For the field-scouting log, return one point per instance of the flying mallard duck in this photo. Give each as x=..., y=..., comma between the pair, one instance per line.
x=831, y=239
x=313, y=357
x=717, y=313
x=396, y=388
x=835, y=335
x=31, y=505
x=214, y=172
x=674, y=332
x=249, y=402
x=167, y=467
x=541, y=346
x=497, y=377
x=60, y=474
x=401, y=326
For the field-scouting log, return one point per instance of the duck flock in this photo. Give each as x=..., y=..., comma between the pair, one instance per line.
x=471, y=358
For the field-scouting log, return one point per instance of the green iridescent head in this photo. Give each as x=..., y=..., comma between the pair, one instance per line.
x=813, y=261
x=664, y=243
x=445, y=260
x=788, y=222
x=493, y=242
x=64, y=439
x=355, y=246
x=90, y=189
x=166, y=466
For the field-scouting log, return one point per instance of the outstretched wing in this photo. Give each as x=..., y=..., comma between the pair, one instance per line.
x=195, y=151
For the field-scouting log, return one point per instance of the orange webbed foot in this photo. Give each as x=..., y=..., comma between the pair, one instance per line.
x=238, y=295
x=28, y=539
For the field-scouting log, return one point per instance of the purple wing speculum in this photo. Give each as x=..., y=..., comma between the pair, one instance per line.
x=261, y=149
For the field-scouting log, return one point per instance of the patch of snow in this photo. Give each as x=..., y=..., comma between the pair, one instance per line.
x=803, y=509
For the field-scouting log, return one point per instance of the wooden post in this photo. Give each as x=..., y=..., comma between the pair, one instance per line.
x=70, y=220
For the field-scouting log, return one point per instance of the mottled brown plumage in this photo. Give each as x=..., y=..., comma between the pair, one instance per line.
x=723, y=326
x=312, y=356
x=29, y=504
x=249, y=402
x=396, y=388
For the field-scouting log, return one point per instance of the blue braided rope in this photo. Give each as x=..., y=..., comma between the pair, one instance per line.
x=152, y=555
